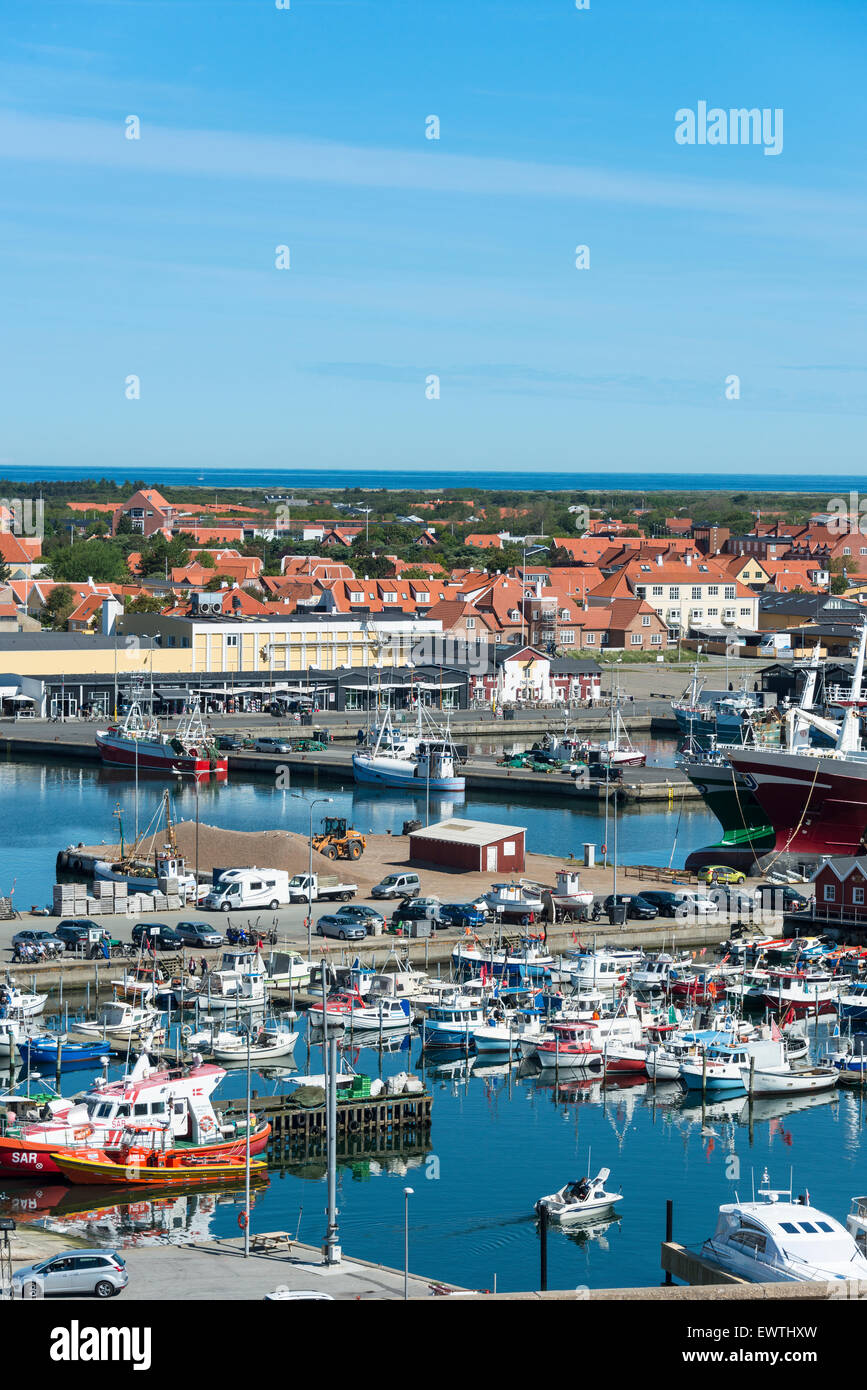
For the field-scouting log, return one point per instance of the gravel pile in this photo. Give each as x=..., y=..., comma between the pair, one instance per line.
x=264, y=849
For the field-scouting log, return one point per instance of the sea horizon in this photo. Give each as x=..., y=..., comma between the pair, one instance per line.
x=394, y=480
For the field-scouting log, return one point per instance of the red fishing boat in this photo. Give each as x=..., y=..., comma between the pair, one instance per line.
x=140, y=743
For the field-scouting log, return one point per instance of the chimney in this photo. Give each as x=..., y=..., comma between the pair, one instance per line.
x=659, y=560
x=688, y=559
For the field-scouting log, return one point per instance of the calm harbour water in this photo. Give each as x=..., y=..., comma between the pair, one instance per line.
x=498, y=1140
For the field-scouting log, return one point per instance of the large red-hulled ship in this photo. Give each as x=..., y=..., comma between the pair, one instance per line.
x=814, y=798
x=139, y=742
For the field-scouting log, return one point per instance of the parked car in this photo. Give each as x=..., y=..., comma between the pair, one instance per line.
x=334, y=925
x=365, y=916
x=100, y=1272
x=722, y=873
x=636, y=905
x=271, y=745
x=417, y=910
x=75, y=931
x=163, y=937
x=30, y=937
x=397, y=886
x=694, y=904
x=198, y=934
x=789, y=899
x=462, y=915
x=228, y=743
x=666, y=903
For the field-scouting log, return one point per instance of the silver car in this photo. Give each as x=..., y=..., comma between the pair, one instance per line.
x=271, y=745
x=99, y=1272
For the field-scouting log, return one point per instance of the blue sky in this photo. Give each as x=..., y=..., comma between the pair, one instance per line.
x=305, y=127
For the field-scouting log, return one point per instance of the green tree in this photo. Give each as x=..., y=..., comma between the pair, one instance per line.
x=206, y=560
x=103, y=561
x=143, y=603
x=58, y=606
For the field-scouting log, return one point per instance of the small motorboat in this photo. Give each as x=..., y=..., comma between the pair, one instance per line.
x=775, y=1081
x=44, y=1050
x=268, y=1045
x=569, y=1047
x=585, y=1200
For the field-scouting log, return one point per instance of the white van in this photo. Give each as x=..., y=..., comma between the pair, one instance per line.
x=254, y=887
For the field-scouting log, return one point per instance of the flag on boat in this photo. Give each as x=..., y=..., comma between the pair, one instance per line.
x=776, y=1035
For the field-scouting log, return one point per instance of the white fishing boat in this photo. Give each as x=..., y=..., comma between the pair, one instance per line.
x=121, y=1018
x=584, y=1200
x=603, y=969
x=427, y=763
x=518, y=898
x=617, y=750
x=503, y=1035
x=355, y=1012
x=775, y=1240
x=569, y=895
x=239, y=983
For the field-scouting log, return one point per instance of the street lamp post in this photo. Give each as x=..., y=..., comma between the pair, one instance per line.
x=181, y=772
x=407, y=1193
x=317, y=800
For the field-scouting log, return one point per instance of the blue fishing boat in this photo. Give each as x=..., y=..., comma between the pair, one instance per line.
x=42, y=1052
x=452, y=1023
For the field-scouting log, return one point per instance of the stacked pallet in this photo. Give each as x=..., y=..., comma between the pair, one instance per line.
x=73, y=899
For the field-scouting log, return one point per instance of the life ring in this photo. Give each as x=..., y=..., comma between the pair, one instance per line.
x=242, y=1220
x=206, y=1123
x=81, y=1133
x=604, y=849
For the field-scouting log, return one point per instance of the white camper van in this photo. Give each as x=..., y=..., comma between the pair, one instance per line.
x=254, y=887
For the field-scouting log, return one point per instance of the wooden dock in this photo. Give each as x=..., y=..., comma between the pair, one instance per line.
x=379, y=1124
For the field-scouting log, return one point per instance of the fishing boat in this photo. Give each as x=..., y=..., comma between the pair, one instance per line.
x=608, y=970
x=802, y=993
x=452, y=1023
x=140, y=743
x=775, y=1240
x=45, y=1050
x=723, y=1066
x=353, y=1010
x=622, y=1057
x=569, y=896
x=584, y=1200
x=239, y=982
x=153, y=856
x=527, y=960
x=122, y=1019
x=616, y=751
x=427, y=764
x=570, y=1046
x=140, y=1167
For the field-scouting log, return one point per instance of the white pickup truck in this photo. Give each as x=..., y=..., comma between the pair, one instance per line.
x=321, y=887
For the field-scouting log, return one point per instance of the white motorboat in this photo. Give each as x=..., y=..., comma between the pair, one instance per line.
x=267, y=1045
x=514, y=898
x=16, y=1004
x=121, y=1019
x=780, y=1241
x=503, y=1035
x=775, y=1081
x=585, y=1200
x=608, y=970
x=12, y=1032
x=362, y=1012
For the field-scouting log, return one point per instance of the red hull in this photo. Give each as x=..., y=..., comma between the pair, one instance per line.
x=20, y=1159
x=801, y=1009
x=154, y=759
x=817, y=806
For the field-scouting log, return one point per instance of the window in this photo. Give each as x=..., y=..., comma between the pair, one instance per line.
x=656, y=639
x=656, y=591
x=389, y=598
x=590, y=639
x=674, y=591
x=730, y=591
x=857, y=895
x=356, y=597
x=645, y=620
x=567, y=636
x=830, y=892
x=423, y=598
x=696, y=591
x=471, y=622
x=745, y=612
x=713, y=612
x=636, y=639
x=232, y=639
